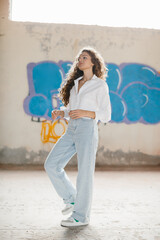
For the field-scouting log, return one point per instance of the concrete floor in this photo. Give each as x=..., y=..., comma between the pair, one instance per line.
x=126, y=206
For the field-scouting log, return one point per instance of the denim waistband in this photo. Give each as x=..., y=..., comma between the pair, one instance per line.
x=82, y=120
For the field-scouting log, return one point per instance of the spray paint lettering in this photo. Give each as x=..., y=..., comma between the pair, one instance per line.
x=134, y=91
x=52, y=131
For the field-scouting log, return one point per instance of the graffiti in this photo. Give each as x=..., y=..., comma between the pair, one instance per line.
x=134, y=91
x=52, y=131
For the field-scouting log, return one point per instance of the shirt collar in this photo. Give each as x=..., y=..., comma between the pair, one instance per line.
x=77, y=80
x=94, y=76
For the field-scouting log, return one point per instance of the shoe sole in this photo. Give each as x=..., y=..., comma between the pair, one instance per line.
x=74, y=225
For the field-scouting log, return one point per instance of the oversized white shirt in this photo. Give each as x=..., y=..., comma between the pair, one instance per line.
x=92, y=96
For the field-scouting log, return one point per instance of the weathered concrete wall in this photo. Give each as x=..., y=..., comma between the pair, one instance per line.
x=121, y=142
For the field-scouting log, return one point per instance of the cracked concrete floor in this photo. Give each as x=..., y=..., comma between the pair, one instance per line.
x=126, y=206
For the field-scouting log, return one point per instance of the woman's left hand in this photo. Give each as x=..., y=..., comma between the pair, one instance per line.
x=79, y=113
x=75, y=114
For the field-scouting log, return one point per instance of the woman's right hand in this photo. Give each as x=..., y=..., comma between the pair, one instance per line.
x=56, y=113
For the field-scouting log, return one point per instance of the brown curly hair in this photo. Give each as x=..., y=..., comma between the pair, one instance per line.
x=99, y=69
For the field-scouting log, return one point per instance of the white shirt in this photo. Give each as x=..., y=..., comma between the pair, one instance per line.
x=92, y=96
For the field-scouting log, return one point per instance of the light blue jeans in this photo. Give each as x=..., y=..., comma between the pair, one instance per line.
x=81, y=137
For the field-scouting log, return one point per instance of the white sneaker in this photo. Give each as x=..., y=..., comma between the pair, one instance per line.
x=72, y=222
x=68, y=208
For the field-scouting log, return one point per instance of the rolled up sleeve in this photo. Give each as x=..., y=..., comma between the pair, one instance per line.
x=66, y=112
x=104, y=105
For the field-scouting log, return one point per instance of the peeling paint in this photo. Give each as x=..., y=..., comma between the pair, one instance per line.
x=120, y=158
x=22, y=156
x=44, y=38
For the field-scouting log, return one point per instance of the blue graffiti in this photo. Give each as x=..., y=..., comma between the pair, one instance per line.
x=44, y=80
x=134, y=91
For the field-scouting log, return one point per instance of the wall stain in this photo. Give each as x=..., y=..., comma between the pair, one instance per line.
x=106, y=157
x=44, y=38
x=131, y=158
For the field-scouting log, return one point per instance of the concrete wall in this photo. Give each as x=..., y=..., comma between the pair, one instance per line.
x=132, y=139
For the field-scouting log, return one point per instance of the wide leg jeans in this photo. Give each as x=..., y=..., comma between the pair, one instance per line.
x=81, y=137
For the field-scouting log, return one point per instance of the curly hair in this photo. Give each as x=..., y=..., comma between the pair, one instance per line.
x=99, y=69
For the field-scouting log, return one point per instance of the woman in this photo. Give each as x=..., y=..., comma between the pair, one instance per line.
x=86, y=101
